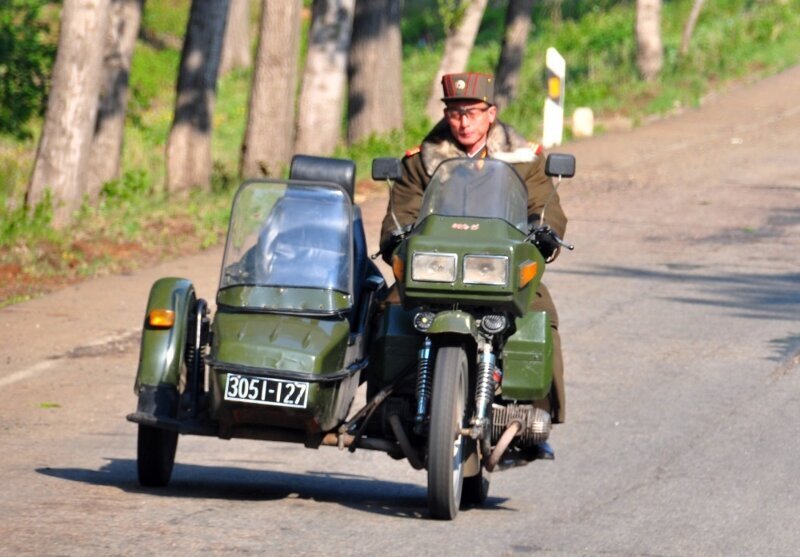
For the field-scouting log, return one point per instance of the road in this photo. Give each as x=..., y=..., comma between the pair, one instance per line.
x=680, y=314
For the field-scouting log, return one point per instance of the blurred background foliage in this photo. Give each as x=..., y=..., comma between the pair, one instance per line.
x=27, y=48
x=735, y=41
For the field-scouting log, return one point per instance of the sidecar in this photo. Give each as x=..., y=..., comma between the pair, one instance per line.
x=284, y=353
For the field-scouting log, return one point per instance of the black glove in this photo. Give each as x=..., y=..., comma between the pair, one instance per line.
x=391, y=243
x=544, y=239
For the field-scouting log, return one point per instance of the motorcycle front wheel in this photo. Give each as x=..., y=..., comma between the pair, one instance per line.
x=447, y=447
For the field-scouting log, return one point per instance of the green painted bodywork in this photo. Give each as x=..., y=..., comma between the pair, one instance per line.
x=527, y=355
x=394, y=348
x=527, y=359
x=458, y=322
x=280, y=341
x=263, y=343
x=273, y=297
x=471, y=236
x=162, y=350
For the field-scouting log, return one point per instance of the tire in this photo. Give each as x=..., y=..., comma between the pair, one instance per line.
x=447, y=447
x=155, y=455
x=476, y=488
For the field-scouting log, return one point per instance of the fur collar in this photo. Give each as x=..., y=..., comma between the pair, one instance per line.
x=504, y=143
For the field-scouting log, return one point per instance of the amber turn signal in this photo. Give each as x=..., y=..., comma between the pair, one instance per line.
x=161, y=318
x=398, y=268
x=527, y=272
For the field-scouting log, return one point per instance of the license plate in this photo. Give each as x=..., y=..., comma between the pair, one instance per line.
x=266, y=390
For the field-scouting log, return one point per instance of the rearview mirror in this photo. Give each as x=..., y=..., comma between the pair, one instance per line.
x=386, y=168
x=559, y=164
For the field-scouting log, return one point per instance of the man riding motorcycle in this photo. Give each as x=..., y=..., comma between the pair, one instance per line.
x=470, y=128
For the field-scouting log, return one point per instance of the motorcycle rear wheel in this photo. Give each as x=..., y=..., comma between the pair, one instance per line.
x=476, y=488
x=447, y=447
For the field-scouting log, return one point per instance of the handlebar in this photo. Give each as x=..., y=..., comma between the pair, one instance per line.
x=548, y=241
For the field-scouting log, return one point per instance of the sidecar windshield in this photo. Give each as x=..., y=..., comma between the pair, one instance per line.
x=476, y=188
x=285, y=236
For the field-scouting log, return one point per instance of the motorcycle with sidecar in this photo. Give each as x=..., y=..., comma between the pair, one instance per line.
x=451, y=363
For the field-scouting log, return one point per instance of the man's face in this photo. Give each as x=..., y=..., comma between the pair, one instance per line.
x=469, y=121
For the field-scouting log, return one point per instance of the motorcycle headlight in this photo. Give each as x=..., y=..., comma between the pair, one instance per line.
x=486, y=269
x=433, y=267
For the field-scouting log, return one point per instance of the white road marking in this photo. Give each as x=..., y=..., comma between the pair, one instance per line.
x=89, y=350
x=26, y=373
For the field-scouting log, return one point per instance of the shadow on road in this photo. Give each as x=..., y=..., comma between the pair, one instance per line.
x=193, y=481
x=743, y=295
x=752, y=296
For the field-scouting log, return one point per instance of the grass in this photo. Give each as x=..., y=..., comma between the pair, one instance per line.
x=135, y=223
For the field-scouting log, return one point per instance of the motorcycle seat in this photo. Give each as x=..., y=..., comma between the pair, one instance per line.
x=341, y=172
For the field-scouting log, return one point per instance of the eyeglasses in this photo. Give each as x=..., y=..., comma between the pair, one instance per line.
x=471, y=112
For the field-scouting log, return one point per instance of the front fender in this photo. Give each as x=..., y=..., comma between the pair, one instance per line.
x=454, y=322
x=162, y=350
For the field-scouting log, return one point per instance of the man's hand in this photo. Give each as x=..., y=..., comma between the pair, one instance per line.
x=546, y=241
x=391, y=243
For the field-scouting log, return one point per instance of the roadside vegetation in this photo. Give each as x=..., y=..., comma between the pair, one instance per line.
x=136, y=223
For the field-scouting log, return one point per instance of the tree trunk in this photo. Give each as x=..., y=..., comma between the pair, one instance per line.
x=650, y=51
x=123, y=28
x=64, y=147
x=189, y=144
x=375, y=104
x=690, y=23
x=236, y=47
x=457, y=48
x=269, y=136
x=555, y=7
x=325, y=77
x=515, y=41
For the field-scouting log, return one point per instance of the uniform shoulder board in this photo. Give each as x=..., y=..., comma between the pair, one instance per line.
x=413, y=151
x=536, y=148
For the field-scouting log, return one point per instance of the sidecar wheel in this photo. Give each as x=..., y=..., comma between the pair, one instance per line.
x=447, y=447
x=155, y=455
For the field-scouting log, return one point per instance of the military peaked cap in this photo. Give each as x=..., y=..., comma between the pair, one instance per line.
x=468, y=86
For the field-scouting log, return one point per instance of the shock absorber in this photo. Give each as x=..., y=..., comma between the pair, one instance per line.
x=424, y=383
x=484, y=389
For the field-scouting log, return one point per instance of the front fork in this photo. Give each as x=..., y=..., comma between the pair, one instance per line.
x=484, y=387
x=484, y=391
x=424, y=383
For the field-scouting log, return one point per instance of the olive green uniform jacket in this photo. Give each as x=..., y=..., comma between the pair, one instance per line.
x=528, y=160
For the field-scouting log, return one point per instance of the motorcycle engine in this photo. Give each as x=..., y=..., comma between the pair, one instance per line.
x=536, y=423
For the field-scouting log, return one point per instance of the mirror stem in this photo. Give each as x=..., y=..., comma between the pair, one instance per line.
x=546, y=203
x=398, y=228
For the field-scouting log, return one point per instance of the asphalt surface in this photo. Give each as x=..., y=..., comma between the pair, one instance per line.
x=680, y=316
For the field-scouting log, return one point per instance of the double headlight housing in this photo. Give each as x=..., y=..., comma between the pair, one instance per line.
x=442, y=267
x=486, y=269
x=433, y=267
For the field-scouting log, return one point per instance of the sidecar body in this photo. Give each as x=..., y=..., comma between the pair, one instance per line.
x=283, y=355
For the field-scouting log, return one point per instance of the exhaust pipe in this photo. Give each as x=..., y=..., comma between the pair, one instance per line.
x=505, y=440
